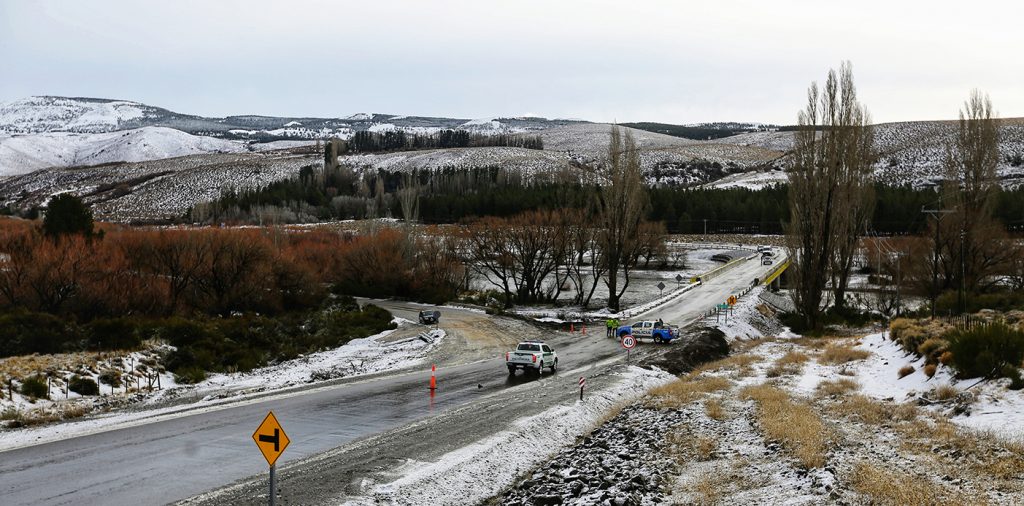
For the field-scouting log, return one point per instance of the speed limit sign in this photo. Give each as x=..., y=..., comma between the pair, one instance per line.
x=628, y=341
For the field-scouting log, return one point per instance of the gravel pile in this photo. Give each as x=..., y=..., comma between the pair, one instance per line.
x=624, y=462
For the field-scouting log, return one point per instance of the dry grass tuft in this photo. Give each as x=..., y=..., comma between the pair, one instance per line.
x=686, y=446
x=840, y=354
x=793, y=357
x=686, y=390
x=609, y=415
x=891, y=487
x=714, y=409
x=800, y=430
x=945, y=392
x=739, y=362
x=838, y=387
x=707, y=488
x=905, y=371
x=905, y=412
x=929, y=370
x=788, y=364
x=704, y=448
x=864, y=408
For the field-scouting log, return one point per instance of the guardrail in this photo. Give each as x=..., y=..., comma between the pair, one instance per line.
x=713, y=273
x=776, y=272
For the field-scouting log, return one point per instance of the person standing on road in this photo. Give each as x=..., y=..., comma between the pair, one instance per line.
x=609, y=324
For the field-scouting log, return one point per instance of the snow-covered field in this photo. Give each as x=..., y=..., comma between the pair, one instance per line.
x=754, y=180
x=528, y=162
x=995, y=408
x=642, y=293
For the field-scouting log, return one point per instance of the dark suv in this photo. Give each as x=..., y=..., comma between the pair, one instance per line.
x=430, y=317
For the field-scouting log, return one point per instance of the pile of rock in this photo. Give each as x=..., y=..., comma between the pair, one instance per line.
x=624, y=462
x=702, y=345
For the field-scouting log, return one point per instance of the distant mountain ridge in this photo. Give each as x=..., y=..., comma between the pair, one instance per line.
x=42, y=114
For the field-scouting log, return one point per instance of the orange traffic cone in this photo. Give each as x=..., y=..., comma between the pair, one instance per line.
x=433, y=379
x=584, y=329
x=572, y=328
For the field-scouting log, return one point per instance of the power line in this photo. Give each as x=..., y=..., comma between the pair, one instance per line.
x=937, y=214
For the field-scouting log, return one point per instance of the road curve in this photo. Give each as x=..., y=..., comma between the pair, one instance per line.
x=174, y=459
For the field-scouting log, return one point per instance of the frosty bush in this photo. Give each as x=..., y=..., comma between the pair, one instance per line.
x=34, y=387
x=990, y=351
x=83, y=386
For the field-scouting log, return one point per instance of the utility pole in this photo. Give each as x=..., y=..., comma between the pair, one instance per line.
x=899, y=280
x=962, y=302
x=937, y=214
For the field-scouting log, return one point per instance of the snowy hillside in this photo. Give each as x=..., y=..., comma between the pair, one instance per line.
x=39, y=132
x=20, y=154
x=156, y=189
x=528, y=162
x=666, y=160
x=59, y=114
x=92, y=115
x=909, y=152
x=913, y=153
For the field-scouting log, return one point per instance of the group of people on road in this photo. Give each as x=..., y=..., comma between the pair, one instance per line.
x=612, y=324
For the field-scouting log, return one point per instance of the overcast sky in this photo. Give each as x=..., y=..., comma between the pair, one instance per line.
x=629, y=60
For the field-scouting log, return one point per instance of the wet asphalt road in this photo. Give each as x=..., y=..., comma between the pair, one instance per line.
x=174, y=459
x=170, y=460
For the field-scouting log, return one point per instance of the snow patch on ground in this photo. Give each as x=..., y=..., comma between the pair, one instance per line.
x=359, y=357
x=745, y=321
x=995, y=409
x=476, y=472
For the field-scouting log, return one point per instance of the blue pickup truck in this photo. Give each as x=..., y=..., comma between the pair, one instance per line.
x=660, y=333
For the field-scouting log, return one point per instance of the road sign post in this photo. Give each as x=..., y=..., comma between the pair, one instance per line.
x=582, y=383
x=679, y=280
x=273, y=488
x=661, y=286
x=723, y=309
x=271, y=440
x=628, y=342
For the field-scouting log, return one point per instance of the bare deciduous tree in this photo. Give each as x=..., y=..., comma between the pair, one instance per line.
x=976, y=242
x=831, y=156
x=490, y=256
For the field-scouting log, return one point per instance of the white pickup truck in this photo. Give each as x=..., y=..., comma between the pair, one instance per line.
x=531, y=356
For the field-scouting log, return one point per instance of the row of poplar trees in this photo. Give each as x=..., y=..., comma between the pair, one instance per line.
x=831, y=197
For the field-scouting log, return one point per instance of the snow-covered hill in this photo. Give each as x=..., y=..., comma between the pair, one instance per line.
x=155, y=189
x=20, y=154
x=47, y=131
x=60, y=114
x=91, y=115
x=910, y=153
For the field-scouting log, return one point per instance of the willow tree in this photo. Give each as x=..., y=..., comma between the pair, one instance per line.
x=622, y=203
x=829, y=180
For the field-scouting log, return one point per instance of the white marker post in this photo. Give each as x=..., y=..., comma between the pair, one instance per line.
x=582, y=383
